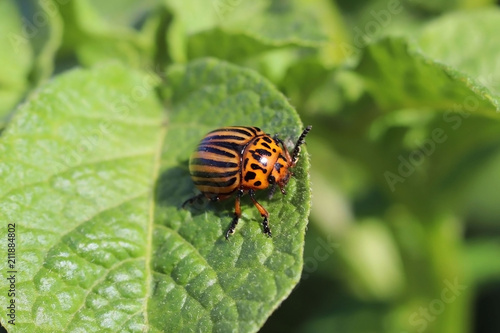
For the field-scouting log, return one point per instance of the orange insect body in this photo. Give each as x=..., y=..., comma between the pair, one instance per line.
x=240, y=159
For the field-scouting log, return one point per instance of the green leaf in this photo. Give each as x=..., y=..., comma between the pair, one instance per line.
x=480, y=260
x=374, y=267
x=409, y=84
x=398, y=78
x=235, y=284
x=93, y=177
x=374, y=20
x=123, y=12
x=101, y=31
x=305, y=78
x=232, y=46
x=470, y=45
x=238, y=31
x=269, y=36
x=15, y=58
x=289, y=22
x=479, y=199
x=449, y=5
x=43, y=30
x=77, y=171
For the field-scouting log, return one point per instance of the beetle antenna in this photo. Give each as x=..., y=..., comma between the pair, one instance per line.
x=300, y=141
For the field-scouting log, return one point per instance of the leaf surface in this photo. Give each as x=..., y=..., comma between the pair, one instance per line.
x=15, y=58
x=242, y=32
x=98, y=31
x=471, y=45
x=93, y=177
x=398, y=77
x=235, y=284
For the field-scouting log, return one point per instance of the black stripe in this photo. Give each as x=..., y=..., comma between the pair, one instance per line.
x=239, y=129
x=203, y=174
x=255, y=130
x=267, y=139
x=209, y=149
x=224, y=137
x=216, y=184
x=224, y=144
x=242, y=130
x=218, y=164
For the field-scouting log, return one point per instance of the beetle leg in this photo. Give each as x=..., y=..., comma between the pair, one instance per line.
x=237, y=214
x=271, y=191
x=193, y=199
x=263, y=212
x=282, y=189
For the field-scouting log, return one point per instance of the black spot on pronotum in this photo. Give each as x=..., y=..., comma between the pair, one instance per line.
x=266, y=145
x=254, y=155
x=257, y=167
x=256, y=141
x=257, y=183
x=271, y=179
x=267, y=139
x=263, y=152
x=245, y=163
x=278, y=166
x=250, y=175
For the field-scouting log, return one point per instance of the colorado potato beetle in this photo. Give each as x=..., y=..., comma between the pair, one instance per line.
x=239, y=159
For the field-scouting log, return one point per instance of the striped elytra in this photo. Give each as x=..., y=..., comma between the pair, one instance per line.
x=215, y=166
x=239, y=159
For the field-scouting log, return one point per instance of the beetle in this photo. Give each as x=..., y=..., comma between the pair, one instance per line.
x=240, y=159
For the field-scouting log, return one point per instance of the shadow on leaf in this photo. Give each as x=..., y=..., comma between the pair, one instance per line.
x=174, y=187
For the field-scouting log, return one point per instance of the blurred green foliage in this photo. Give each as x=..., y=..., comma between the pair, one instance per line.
x=404, y=100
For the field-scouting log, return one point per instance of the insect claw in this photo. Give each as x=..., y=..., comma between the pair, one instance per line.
x=192, y=200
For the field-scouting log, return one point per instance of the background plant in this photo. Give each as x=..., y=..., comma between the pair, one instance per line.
x=403, y=97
